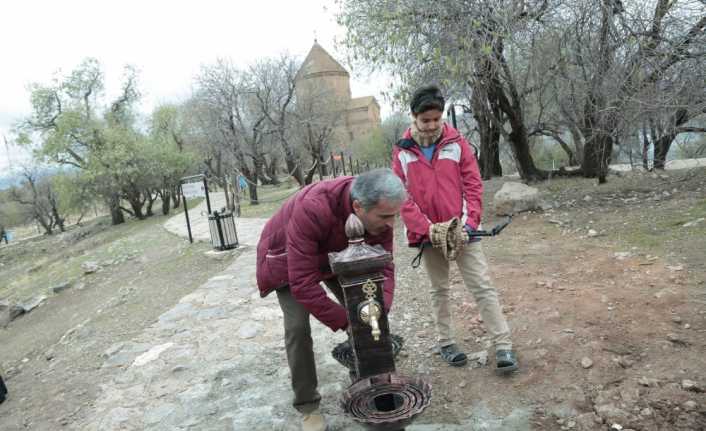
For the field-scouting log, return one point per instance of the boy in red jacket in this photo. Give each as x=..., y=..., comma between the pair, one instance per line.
x=441, y=175
x=292, y=259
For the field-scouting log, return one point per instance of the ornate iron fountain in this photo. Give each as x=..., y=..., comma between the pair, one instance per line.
x=379, y=398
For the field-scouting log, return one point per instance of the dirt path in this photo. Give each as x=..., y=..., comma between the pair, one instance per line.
x=566, y=301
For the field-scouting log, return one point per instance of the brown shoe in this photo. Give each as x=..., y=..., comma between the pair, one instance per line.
x=313, y=421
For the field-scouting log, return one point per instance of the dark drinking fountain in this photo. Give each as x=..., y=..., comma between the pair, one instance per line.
x=379, y=398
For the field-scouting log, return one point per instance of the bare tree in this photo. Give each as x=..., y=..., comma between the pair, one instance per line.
x=620, y=73
x=231, y=112
x=464, y=47
x=273, y=82
x=319, y=115
x=40, y=199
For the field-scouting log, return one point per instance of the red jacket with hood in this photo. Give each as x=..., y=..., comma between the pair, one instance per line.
x=294, y=246
x=447, y=186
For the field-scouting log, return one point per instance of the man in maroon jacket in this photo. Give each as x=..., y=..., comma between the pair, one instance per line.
x=292, y=259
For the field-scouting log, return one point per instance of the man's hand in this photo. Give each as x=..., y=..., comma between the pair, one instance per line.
x=469, y=231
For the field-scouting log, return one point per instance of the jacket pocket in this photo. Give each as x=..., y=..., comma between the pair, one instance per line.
x=276, y=262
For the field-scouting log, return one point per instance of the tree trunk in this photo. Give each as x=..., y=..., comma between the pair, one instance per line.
x=520, y=149
x=133, y=197
x=136, y=206
x=664, y=143
x=295, y=169
x=230, y=191
x=116, y=214
x=578, y=145
x=596, y=157
x=490, y=154
x=261, y=167
x=166, y=198
x=252, y=185
x=489, y=161
x=323, y=165
x=46, y=226
x=252, y=191
x=176, y=197
x=271, y=169
x=310, y=173
x=662, y=146
x=150, y=203
x=519, y=139
x=645, y=148
x=227, y=192
x=58, y=221
x=236, y=195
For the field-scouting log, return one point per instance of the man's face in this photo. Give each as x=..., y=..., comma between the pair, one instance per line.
x=428, y=121
x=379, y=218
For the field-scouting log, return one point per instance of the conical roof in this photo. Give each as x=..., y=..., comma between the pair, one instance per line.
x=318, y=61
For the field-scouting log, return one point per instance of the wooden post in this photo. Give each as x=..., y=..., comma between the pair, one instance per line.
x=333, y=165
x=343, y=163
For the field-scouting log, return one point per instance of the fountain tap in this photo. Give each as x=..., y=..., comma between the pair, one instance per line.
x=370, y=313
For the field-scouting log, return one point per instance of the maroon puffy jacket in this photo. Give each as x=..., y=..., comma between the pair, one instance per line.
x=294, y=246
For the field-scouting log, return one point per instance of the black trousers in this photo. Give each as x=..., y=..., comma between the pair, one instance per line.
x=300, y=348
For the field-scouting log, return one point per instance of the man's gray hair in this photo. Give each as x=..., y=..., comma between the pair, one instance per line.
x=373, y=186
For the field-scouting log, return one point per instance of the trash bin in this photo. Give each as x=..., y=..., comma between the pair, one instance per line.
x=222, y=228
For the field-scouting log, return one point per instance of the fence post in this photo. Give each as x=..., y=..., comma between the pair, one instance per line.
x=333, y=165
x=343, y=163
x=357, y=166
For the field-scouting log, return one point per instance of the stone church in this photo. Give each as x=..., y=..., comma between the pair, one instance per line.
x=321, y=74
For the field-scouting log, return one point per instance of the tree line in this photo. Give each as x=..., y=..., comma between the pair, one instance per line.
x=596, y=77
x=238, y=123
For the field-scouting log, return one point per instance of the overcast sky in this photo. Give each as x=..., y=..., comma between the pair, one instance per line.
x=167, y=40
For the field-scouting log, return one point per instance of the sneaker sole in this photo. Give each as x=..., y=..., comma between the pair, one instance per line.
x=506, y=370
x=458, y=363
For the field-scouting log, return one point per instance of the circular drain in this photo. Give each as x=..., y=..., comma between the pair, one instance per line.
x=386, y=401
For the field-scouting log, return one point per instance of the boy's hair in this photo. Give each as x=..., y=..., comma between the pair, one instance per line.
x=427, y=98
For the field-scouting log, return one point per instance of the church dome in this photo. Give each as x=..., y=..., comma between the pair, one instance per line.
x=320, y=70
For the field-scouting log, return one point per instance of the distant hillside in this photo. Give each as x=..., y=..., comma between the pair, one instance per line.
x=9, y=180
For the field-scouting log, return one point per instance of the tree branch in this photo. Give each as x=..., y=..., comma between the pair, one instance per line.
x=691, y=129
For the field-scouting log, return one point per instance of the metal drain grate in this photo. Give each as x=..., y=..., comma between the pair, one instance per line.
x=386, y=401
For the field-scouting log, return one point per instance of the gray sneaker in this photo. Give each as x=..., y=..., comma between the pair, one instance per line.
x=505, y=361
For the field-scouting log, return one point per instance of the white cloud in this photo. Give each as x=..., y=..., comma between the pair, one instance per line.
x=167, y=40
